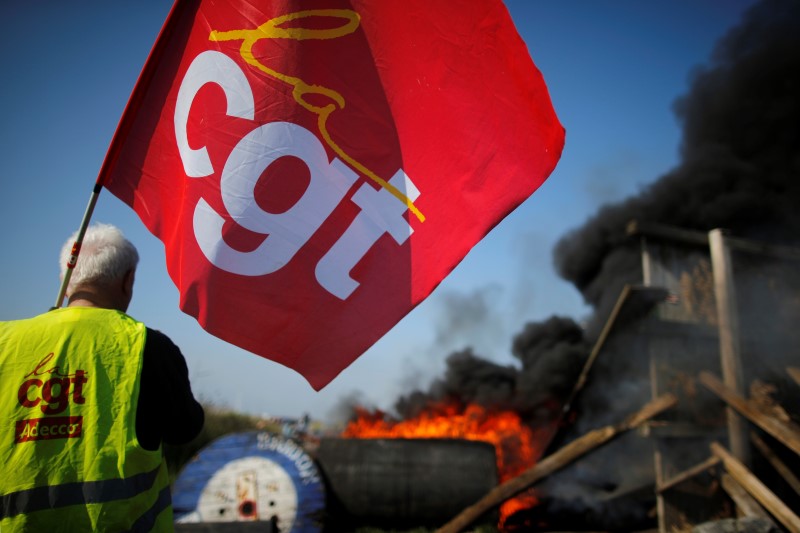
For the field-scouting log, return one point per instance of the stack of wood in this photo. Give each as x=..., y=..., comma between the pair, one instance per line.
x=679, y=330
x=751, y=496
x=556, y=461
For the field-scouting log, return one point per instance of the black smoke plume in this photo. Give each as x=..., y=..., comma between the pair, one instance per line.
x=550, y=356
x=739, y=170
x=740, y=158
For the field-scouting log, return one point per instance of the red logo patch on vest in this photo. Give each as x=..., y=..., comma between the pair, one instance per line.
x=48, y=389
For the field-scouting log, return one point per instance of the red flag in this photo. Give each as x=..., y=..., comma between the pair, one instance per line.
x=316, y=168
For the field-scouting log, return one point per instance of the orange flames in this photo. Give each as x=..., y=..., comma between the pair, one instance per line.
x=517, y=445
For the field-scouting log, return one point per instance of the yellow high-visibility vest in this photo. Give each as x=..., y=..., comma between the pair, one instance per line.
x=69, y=456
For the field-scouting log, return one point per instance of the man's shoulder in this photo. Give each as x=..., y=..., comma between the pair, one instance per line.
x=158, y=337
x=159, y=345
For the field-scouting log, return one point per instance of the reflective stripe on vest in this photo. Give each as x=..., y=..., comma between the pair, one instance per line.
x=53, y=497
x=147, y=521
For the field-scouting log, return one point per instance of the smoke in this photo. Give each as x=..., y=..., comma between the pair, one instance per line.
x=740, y=157
x=551, y=355
x=739, y=170
x=472, y=319
x=347, y=405
x=467, y=379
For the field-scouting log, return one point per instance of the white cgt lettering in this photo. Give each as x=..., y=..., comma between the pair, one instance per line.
x=380, y=213
x=209, y=67
x=289, y=231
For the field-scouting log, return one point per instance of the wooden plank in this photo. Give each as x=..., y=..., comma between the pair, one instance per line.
x=745, y=504
x=697, y=238
x=729, y=351
x=633, y=300
x=776, y=462
x=795, y=373
x=556, y=461
x=756, y=489
x=667, y=233
x=628, y=291
x=760, y=248
x=688, y=474
x=787, y=433
x=596, y=349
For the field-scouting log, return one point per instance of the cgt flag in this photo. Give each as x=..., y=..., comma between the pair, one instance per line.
x=316, y=168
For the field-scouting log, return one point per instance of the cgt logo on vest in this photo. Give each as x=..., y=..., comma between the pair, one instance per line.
x=50, y=390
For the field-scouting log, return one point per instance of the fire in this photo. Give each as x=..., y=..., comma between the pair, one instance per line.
x=517, y=445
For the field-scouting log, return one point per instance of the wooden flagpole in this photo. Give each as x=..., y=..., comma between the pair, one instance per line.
x=76, y=246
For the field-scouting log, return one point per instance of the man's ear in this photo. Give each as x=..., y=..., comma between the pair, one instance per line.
x=127, y=283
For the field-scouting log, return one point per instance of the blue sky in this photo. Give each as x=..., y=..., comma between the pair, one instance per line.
x=613, y=68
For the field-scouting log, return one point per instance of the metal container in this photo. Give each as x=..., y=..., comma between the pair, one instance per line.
x=403, y=482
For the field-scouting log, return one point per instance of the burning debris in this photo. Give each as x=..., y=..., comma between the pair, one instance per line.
x=739, y=168
x=515, y=443
x=550, y=354
x=556, y=461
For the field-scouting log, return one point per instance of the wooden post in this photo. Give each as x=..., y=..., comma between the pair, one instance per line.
x=727, y=318
x=556, y=461
x=647, y=264
x=756, y=489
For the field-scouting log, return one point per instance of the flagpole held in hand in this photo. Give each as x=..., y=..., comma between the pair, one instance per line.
x=76, y=246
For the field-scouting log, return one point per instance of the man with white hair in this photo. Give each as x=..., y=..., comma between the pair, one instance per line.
x=88, y=396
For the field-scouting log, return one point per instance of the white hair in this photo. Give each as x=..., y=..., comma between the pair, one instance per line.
x=105, y=256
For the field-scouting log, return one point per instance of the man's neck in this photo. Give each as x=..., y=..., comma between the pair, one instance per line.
x=90, y=298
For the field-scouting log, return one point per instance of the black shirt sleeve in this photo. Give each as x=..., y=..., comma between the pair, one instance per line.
x=167, y=410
